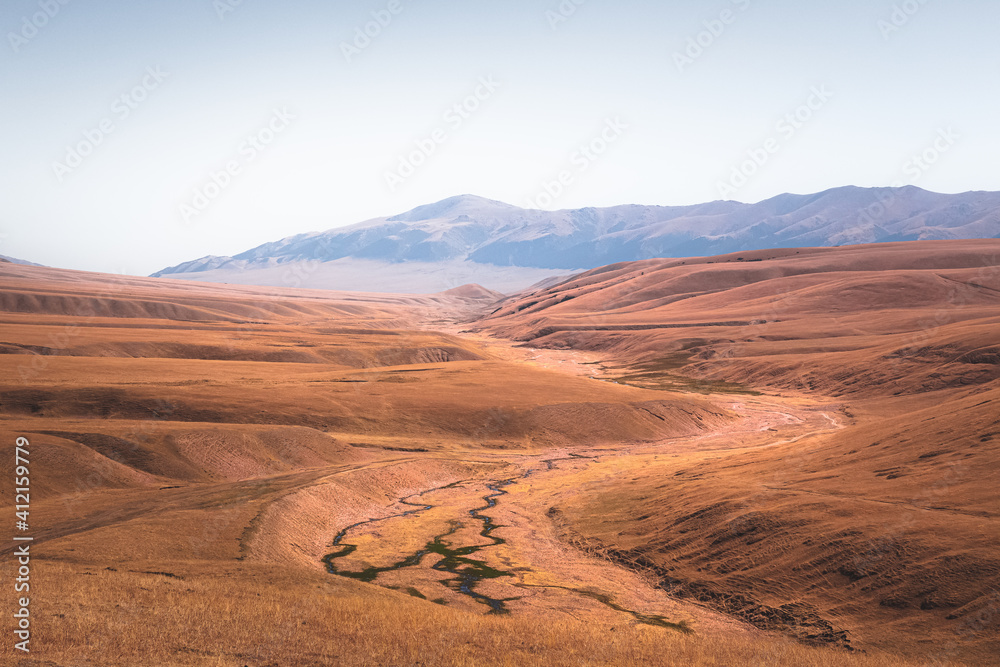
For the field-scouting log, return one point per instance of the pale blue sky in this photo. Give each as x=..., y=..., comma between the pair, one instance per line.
x=679, y=131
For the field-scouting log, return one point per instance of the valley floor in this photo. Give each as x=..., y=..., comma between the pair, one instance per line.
x=233, y=476
x=441, y=556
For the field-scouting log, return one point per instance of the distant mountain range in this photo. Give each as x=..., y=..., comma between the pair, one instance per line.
x=468, y=239
x=15, y=260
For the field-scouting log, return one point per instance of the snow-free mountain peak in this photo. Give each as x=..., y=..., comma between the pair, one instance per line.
x=466, y=239
x=470, y=205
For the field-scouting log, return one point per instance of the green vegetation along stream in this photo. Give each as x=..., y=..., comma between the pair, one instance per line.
x=457, y=560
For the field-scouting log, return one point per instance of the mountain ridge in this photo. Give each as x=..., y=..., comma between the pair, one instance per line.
x=479, y=233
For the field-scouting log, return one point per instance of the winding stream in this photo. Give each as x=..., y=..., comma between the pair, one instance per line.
x=469, y=572
x=455, y=560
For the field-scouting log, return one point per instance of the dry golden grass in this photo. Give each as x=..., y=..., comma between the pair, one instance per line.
x=215, y=433
x=235, y=616
x=888, y=528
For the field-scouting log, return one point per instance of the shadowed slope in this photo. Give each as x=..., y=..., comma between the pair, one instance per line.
x=888, y=528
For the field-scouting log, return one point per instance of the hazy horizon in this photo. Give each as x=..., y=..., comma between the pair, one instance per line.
x=139, y=137
x=562, y=332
